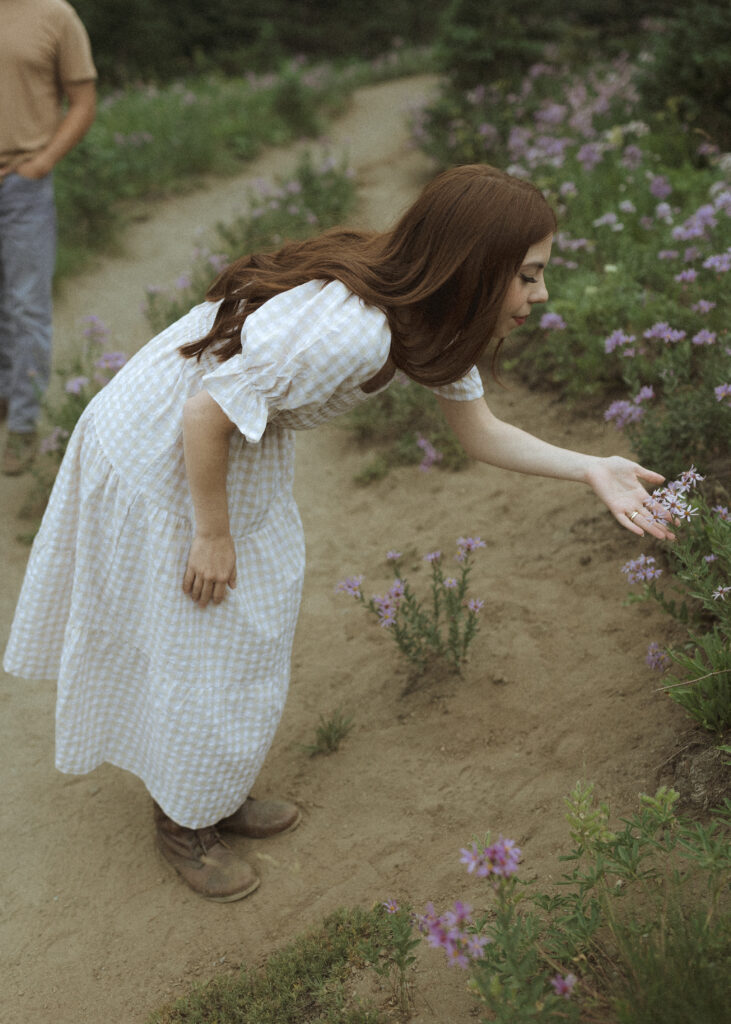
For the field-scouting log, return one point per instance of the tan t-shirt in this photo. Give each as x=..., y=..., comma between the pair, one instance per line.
x=43, y=45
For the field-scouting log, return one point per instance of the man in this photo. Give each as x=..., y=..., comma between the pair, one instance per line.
x=47, y=104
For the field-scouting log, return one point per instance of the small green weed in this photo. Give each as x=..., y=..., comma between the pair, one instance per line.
x=329, y=734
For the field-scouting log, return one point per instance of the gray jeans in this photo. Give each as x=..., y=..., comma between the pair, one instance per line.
x=27, y=256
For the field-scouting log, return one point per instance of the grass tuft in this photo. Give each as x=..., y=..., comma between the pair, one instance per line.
x=305, y=983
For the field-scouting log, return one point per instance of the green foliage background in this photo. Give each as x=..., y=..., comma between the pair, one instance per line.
x=162, y=38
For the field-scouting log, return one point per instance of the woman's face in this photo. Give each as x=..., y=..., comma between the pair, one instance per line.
x=527, y=288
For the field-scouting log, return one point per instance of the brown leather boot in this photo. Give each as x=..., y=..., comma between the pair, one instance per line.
x=259, y=819
x=203, y=860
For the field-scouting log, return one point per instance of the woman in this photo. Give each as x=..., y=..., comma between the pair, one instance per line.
x=180, y=470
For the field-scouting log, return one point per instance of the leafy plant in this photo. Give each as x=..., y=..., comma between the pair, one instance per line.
x=439, y=629
x=391, y=955
x=701, y=559
x=636, y=935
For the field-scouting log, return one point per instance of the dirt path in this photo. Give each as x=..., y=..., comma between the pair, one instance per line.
x=94, y=928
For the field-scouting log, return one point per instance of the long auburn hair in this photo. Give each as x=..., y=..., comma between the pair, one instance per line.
x=440, y=275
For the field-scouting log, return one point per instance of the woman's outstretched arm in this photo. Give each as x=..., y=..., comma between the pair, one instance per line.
x=212, y=561
x=615, y=480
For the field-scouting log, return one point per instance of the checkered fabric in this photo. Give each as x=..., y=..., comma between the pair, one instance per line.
x=188, y=699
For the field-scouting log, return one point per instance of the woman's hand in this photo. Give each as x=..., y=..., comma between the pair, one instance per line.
x=211, y=568
x=617, y=482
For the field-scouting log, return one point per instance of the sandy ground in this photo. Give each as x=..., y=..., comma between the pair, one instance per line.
x=93, y=925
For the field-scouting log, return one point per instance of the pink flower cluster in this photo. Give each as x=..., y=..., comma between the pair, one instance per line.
x=450, y=932
x=498, y=861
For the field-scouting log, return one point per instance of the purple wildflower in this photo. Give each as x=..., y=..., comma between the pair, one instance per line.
x=695, y=226
x=351, y=586
x=563, y=986
x=431, y=455
x=686, y=276
x=641, y=569
x=552, y=322
x=670, y=502
x=623, y=412
x=608, y=220
x=618, y=339
x=387, y=606
x=473, y=858
x=54, y=441
x=113, y=361
x=589, y=155
x=467, y=544
x=656, y=658
x=96, y=331
x=449, y=932
x=75, y=385
x=631, y=157
x=662, y=331
x=690, y=477
x=720, y=263
x=551, y=113
x=704, y=337
x=660, y=187
x=499, y=860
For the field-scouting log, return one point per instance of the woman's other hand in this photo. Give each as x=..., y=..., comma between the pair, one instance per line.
x=211, y=569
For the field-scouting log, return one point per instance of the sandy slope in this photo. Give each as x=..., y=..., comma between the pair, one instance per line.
x=94, y=928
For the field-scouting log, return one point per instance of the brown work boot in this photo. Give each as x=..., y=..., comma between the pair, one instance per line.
x=20, y=451
x=204, y=861
x=259, y=819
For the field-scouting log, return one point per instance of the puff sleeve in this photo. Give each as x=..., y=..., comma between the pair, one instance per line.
x=297, y=350
x=463, y=390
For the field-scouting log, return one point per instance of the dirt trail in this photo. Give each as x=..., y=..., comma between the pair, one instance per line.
x=94, y=928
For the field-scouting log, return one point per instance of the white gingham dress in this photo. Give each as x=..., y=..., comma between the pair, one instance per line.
x=188, y=699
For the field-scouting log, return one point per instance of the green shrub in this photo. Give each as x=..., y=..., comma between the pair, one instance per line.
x=160, y=39
x=689, y=74
x=636, y=934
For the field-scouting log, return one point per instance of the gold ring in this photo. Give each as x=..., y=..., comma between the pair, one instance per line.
x=633, y=516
